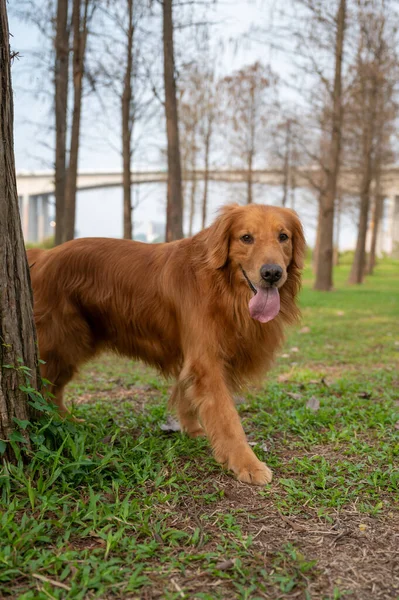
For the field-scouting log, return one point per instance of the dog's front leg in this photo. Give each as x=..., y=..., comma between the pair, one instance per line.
x=205, y=386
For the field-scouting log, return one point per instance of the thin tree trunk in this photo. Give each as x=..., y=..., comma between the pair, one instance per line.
x=17, y=331
x=324, y=270
x=127, y=129
x=193, y=159
x=377, y=215
x=249, y=178
x=206, y=172
x=293, y=190
x=251, y=152
x=359, y=260
x=316, y=252
x=174, y=210
x=192, y=203
x=61, y=105
x=79, y=25
x=338, y=213
x=286, y=166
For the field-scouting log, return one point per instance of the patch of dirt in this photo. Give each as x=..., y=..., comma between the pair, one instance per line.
x=355, y=552
x=137, y=395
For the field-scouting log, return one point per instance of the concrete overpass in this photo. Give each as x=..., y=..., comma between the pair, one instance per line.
x=35, y=188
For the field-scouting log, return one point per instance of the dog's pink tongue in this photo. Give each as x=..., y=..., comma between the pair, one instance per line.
x=265, y=305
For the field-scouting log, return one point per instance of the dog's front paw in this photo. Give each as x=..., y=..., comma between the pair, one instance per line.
x=246, y=466
x=259, y=474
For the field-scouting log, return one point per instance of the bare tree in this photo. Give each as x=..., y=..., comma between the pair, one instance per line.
x=82, y=13
x=189, y=119
x=324, y=266
x=127, y=126
x=18, y=350
x=61, y=77
x=174, y=209
x=375, y=69
x=250, y=96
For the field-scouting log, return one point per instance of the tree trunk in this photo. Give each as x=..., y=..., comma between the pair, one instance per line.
x=17, y=330
x=315, y=254
x=127, y=129
x=61, y=72
x=359, y=260
x=79, y=25
x=377, y=215
x=174, y=210
x=338, y=213
x=206, y=172
x=286, y=166
x=251, y=151
x=249, y=178
x=324, y=270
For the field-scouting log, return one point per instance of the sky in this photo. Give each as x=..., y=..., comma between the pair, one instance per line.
x=99, y=212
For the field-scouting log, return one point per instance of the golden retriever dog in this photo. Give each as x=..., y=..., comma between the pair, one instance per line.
x=209, y=310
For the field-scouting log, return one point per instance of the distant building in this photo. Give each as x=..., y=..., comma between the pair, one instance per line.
x=155, y=231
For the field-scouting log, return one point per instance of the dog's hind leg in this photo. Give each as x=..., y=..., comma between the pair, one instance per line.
x=63, y=348
x=187, y=414
x=58, y=373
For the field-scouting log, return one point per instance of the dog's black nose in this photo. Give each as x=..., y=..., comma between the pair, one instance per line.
x=271, y=273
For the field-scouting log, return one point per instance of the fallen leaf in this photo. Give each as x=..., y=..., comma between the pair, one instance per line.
x=285, y=356
x=294, y=396
x=294, y=349
x=171, y=425
x=396, y=425
x=225, y=565
x=284, y=377
x=261, y=446
x=304, y=330
x=340, y=313
x=313, y=403
x=365, y=395
x=363, y=527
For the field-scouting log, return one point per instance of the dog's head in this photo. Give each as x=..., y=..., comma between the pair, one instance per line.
x=264, y=247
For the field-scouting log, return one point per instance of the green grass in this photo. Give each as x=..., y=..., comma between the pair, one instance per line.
x=117, y=508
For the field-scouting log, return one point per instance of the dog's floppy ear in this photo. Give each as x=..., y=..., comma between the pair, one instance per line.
x=219, y=237
x=298, y=252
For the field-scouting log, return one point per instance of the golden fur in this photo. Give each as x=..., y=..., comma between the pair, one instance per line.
x=181, y=307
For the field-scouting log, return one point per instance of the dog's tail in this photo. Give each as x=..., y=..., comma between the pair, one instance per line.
x=34, y=254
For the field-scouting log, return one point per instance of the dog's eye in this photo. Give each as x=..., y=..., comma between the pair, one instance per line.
x=247, y=238
x=283, y=237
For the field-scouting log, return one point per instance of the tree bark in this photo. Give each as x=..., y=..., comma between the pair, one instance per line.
x=174, y=210
x=286, y=166
x=251, y=150
x=127, y=129
x=324, y=270
x=206, y=172
x=338, y=213
x=315, y=254
x=61, y=105
x=249, y=178
x=377, y=215
x=17, y=330
x=369, y=115
x=79, y=26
